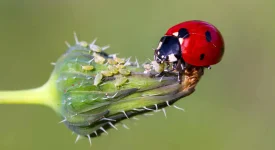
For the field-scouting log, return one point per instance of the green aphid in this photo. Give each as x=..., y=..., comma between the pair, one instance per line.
x=83, y=44
x=99, y=59
x=87, y=68
x=119, y=60
x=120, y=80
x=120, y=66
x=147, y=66
x=124, y=72
x=95, y=48
x=113, y=69
x=98, y=79
x=112, y=62
x=107, y=73
x=158, y=67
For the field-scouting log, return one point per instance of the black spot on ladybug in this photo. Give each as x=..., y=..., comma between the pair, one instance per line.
x=202, y=56
x=183, y=33
x=208, y=36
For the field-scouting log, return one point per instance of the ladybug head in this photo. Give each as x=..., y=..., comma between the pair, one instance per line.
x=168, y=50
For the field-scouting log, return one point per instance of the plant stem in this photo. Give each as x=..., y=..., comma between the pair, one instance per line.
x=45, y=95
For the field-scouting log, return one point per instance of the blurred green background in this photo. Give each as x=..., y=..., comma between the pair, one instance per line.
x=233, y=107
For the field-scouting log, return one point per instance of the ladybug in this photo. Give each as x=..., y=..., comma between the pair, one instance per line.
x=190, y=43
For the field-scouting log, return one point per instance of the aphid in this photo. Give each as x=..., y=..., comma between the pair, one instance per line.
x=113, y=69
x=87, y=68
x=124, y=72
x=95, y=48
x=120, y=80
x=119, y=60
x=98, y=79
x=99, y=59
x=120, y=66
x=107, y=73
x=158, y=67
x=147, y=68
x=83, y=44
x=111, y=61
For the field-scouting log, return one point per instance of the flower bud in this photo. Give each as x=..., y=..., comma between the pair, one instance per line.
x=98, y=90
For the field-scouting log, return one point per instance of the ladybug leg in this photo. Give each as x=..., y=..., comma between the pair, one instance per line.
x=175, y=65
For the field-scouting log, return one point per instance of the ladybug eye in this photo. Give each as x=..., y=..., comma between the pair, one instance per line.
x=202, y=56
x=183, y=33
x=208, y=36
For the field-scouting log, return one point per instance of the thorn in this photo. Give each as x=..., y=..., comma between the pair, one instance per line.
x=77, y=138
x=112, y=125
x=95, y=133
x=148, y=114
x=93, y=42
x=168, y=103
x=75, y=38
x=101, y=128
x=89, y=137
x=125, y=114
x=164, y=112
x=125, y=126
x=63, y=120
x=137, y=63
x=178, y=108
x=127, y=63
x=136, y=109
x=156, y=107
x=68, y=44
x=107, y=119
x=161, y=78
x=105, y=47
x=147, y=108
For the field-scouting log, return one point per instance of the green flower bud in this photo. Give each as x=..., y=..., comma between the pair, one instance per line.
x=93, y=91
x=114, y=89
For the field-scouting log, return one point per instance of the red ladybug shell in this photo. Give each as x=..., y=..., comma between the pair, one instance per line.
x=202, y=43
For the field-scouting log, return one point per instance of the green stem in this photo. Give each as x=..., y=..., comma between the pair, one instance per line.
x=45, y=95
